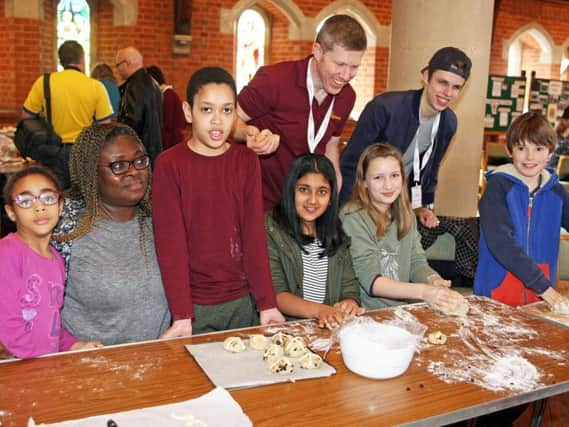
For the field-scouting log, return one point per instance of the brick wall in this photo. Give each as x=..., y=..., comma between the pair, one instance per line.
x=28, y=45
x=512, y=15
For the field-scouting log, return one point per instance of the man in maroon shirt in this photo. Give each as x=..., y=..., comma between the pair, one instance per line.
x=303, y=104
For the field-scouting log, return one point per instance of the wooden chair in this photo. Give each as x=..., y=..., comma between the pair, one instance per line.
x=563, y=170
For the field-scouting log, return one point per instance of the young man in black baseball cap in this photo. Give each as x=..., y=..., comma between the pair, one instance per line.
x=417, y=122
x=420, y=124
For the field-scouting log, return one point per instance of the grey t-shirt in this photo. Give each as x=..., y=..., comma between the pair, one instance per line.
x=114, y=293
x=423, y=137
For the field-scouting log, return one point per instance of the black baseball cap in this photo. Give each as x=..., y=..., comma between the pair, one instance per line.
x=450, y=59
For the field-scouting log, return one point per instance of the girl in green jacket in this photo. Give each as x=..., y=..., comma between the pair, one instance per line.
x=308, y=249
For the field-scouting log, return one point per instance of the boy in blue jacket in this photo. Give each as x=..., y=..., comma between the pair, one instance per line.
x=521, y=214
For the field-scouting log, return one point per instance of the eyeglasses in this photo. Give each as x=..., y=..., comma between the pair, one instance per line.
x=122, y=166
x=47, y=198
x=118, y=64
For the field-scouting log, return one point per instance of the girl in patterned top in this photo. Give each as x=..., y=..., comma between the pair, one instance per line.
x=308, y=249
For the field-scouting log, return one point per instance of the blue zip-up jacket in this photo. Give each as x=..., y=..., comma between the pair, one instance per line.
x=393, y=117
x=519, y=236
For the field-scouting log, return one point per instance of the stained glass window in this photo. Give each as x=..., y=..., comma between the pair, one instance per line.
x=74, y=23
x=251, y=35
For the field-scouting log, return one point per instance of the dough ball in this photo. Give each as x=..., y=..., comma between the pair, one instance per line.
x=295, y=347
x=261, y=136
x=437, y=337
x=258, y=342
x=310, y=361
x=281, y=365
x=273, y=351
x=280, y=338
x=234, y=344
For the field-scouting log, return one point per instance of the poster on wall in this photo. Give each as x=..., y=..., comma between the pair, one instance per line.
x=551, y=97
x=504, y=101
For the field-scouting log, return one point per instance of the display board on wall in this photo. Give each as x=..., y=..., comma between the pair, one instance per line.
x=504, y=101
x=549, y=96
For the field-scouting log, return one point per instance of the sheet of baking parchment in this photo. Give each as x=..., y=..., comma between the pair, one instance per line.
x=246, y=369
x=216, y=408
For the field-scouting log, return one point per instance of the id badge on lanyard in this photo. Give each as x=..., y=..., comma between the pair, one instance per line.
x=418, y=166
x=313, y=140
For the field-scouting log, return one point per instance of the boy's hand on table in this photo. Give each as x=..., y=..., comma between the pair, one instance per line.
x=180, y=328
x=271, y=315
x=557, y=302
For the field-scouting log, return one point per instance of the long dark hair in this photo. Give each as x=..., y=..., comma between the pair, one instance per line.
x=329, y=229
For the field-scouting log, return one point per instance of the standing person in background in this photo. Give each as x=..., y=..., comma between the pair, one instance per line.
x=104, y=74
x=303, y=104
x=77, y=101
x=173, y=119
x=562, y=131
x=141, y=100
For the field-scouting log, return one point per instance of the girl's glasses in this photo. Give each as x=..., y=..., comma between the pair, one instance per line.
x=26, y=200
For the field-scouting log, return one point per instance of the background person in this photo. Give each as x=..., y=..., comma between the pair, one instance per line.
x=141, y=100
x=173, y=119
x=104, y=74
x=76, y=101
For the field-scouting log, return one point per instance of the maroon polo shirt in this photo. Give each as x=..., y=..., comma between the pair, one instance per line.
x=277, y=99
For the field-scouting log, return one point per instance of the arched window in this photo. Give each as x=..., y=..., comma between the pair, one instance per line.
x=251, y=40
x=74, y=23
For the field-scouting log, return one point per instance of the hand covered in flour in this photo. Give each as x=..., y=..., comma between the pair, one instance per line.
x=271, y=315
x=427, y=217
x=180, y=328
x=557, y=302
x=262, y=142
x=441, y=298
x=437, y=280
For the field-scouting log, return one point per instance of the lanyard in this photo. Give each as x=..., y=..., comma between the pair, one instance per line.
x=314, y=140
x=417, y=165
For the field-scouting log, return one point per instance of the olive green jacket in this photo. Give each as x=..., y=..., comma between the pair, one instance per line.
x=286, y=267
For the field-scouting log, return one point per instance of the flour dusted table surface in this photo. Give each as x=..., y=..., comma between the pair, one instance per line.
x=456, y=381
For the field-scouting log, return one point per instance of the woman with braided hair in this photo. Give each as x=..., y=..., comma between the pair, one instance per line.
x=114, y=289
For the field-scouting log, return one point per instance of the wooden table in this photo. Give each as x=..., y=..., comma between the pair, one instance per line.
x=75, y=385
